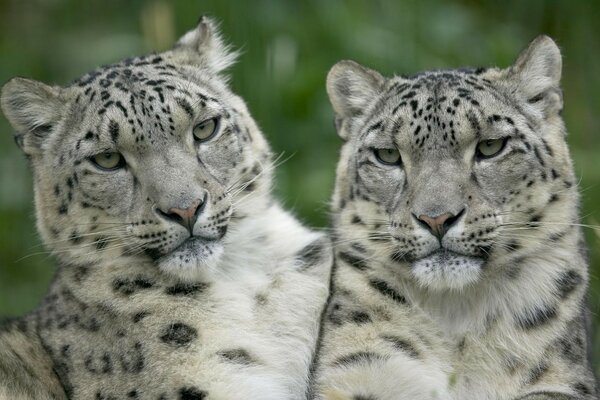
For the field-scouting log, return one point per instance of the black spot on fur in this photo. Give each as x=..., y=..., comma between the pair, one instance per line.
x=353, y=261
x=537, y=317
x=359, y=357
x=178, y=334
x=192, y=393
x=313, y=253
x=128, y=286
x=187, y=289
x=537, y=373
x=186, y=106
x=567, y=282
x=113, y=129
x=238, y=356
x=101, y=242
x=140, y=316
x=132, y=359
x=582, y=388
x=402, y=345
x=360, y=317
x=384, y=288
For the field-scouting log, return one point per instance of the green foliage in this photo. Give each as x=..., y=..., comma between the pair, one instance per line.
x=288, y=47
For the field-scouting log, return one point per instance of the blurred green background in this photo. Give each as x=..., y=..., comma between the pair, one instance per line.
x=288, y=47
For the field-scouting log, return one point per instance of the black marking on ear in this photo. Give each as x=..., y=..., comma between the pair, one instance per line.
x=385, y=289
x=192, y=393
x=178, y=334
x=402, y=345
x=356, y=262
x=359, y=358
x=567, y=282
x=128, y=286
x=363, y=397
x=237, y=356
x=187, y=289
x=537, y=317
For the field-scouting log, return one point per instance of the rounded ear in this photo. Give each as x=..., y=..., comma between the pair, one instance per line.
x=537, y=73
x=33, y=109
x=204, y=46
x=351, y=88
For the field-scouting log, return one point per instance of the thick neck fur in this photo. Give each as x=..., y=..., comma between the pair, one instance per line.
x=259, y=307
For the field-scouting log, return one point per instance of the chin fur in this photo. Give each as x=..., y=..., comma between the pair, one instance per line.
x=190, y=260
x=447, y=271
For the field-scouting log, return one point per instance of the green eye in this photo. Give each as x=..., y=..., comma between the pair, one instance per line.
x=206, y=129
x=490, y=148
x=388, y=156
x=108, y=160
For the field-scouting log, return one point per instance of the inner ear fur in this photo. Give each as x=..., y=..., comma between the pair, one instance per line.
x=205, y=47
x=536, y=75
x=33, y=109
x=351, y=88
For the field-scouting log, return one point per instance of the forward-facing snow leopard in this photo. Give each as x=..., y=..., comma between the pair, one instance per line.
x=180, y=277
x=460, y=269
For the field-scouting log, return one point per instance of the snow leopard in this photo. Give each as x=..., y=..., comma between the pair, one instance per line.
x=179, y=275
x=460, y=267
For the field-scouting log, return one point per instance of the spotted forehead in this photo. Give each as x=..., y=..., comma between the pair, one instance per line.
x=435, y=110
x=140, y=94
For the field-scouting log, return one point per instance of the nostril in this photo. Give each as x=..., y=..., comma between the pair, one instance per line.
x=421, y=222
x=452, y=219
x=170, y=216
x=200, y=207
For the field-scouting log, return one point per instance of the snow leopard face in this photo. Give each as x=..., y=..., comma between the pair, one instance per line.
x=447, y=174
x=152, y=158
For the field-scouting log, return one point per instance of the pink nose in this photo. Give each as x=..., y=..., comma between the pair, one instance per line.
x=186, y=217
x=440, y=224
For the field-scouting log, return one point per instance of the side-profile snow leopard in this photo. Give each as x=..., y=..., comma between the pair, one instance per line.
x=180, y=277
x=460, y=269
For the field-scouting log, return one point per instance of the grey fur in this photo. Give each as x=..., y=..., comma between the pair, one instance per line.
x=179, y=275
x=493, y=307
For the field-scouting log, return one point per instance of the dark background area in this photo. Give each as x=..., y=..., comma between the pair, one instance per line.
x=288, y=47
